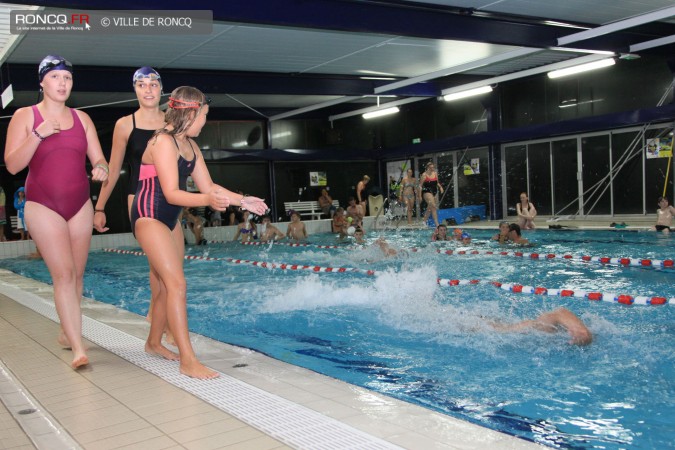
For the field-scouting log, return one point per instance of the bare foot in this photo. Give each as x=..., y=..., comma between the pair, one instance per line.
x=168, y=335
x=65, y=343
x=162, y=351
x=196, y=369
x=79, y=361
x=63, y=340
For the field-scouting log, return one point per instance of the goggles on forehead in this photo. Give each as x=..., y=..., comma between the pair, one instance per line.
x=47, y=66
x=149, y=76
x=181, y=104
x=55, y=62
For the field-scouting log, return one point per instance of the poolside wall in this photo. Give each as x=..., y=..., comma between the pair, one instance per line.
x=14, y=249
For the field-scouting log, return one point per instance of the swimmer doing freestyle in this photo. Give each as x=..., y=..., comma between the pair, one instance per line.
x=552, y=322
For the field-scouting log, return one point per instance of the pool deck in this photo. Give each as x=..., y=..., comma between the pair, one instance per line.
x=127, y=399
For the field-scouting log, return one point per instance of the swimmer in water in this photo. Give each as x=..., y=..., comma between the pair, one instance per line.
x=562, y=319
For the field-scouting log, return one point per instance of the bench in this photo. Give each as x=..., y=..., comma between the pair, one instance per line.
x=309, y=208
x=14, y=222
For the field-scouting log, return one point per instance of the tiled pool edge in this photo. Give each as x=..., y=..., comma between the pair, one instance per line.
x=439, y=429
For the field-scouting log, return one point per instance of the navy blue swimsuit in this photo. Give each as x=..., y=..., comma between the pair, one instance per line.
x=150, y=201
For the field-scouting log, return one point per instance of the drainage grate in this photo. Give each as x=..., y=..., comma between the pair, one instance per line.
x=288, y=422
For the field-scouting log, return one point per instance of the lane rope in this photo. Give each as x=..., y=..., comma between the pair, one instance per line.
x=591, y=294
x=289, y=244
x=604, y=260
x=263, y=264
x=622, y=262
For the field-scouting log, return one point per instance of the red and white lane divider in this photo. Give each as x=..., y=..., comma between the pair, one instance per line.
x=576, y=293
x=263, y=264
x=444, y=282
x=289, y=244
x=634, y=262
x=605, y=260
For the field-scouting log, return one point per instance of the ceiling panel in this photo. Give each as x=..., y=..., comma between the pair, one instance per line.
x=596, y=12
x=298, y=67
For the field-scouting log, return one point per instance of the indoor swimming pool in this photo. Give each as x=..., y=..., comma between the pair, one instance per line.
x=387, y=324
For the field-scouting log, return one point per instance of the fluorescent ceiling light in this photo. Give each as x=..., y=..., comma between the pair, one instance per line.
x=524, y=73
x=381, y=112
x=563, y=24
x=378, y=78
x=582, y=68
x=573, y=102
x=282, y=134
x=468, y=93
x=361, y=111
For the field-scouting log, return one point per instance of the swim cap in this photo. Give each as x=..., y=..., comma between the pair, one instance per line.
x=465, y=235
x=53, y=62
x=146, y=72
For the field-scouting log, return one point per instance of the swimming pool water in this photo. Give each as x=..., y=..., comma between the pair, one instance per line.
x=398, y=332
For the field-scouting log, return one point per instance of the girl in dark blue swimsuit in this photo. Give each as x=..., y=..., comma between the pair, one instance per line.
x=170, y=157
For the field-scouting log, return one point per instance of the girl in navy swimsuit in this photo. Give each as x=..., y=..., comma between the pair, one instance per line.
x=170, y=157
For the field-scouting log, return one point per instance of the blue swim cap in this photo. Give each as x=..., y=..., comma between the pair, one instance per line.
x=146, y=72
x=465, y=235
x=53, y=62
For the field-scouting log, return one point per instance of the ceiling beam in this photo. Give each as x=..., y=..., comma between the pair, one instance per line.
x=518, y=53
x=356, y=112
x=525, y=73
x=118, y=79
x=307, y=109
x=621, y=25
x=653, y=43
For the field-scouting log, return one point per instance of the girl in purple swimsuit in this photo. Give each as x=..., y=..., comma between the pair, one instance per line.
x=54, y=141
x=170, y=157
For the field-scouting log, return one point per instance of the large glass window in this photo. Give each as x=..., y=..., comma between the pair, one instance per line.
x=656, y=168
x=595, y=174
x=515, y=161
x=445, y=177
x=539, y=157
x=619, y=175
x=627, y=165
x=473, y=178
x=566, y=186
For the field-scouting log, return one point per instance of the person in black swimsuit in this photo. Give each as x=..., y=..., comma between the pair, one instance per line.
x=130, y=138
x=428, y=191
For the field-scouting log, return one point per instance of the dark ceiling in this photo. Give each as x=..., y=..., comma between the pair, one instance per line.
x=275, y=59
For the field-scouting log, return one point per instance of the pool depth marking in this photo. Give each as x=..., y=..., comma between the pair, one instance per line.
x=590, y=294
